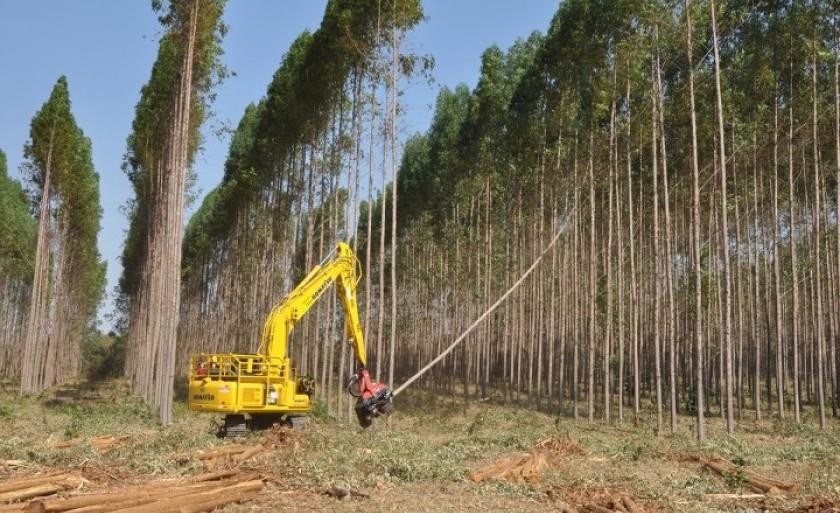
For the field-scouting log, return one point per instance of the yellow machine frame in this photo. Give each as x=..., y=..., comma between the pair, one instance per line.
x=266, y=383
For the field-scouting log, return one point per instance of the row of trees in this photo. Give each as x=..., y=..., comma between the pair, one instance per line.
x=690, y=155
x=164, y=140
x=292, y=185
x=51, y=267
x=17, y=248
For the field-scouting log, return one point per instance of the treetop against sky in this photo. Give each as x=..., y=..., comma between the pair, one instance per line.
x=107, y=48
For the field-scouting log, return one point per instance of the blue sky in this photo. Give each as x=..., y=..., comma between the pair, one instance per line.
x=106, y=49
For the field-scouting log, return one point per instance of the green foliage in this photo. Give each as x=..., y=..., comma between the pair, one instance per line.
x=17, y=230
x=299, y=103
x=104, y=356
x=154, y=114
x=57, y=143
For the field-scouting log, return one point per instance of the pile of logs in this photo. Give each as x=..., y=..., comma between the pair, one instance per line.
x=199, y=494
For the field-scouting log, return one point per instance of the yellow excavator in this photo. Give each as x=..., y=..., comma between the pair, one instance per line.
x=265, y=387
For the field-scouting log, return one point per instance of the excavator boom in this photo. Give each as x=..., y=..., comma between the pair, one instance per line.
x=265, y=386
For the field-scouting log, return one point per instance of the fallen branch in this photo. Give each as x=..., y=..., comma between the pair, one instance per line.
x=756, y=481
x=226, y=450
x=735, y=496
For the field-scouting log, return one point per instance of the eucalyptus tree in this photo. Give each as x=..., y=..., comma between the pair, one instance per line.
x=161, y=148
x=710, y=100
x=17, y=251
x=68, y=276
x=289, y=190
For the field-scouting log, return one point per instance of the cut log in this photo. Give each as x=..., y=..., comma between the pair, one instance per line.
x=213, y=476
x=249, y=453
x=106, y=443
x=595, y=508
x=34, y=491
x=735, y=496
x=17, y=484
x=55, y=485
x=630, y=505
x=173, y=505
x=212, y=504
x=126, y=497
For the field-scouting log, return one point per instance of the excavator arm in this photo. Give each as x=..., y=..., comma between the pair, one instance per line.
x=340, y=267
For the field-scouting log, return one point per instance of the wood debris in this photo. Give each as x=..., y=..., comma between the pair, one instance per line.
x=756, y=482
x=23, y=488
x=100, y=443
x=199, y=494
x=609, y=503
x=340, y=493
x=594, y=501
x=227, y=455
x=517, y=469
x=819, y=505
x=735, y=496
x=560, y=447
x=528, y=468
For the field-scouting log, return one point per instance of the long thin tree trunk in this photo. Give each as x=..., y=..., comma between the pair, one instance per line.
x=395, y=51
x=794, y=263
x=727, y=334
x=818, y=328
x=698, y=271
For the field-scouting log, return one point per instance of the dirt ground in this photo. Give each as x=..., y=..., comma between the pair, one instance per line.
x=429, y=457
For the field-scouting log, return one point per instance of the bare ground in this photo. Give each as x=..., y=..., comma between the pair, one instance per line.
x=427, y=458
